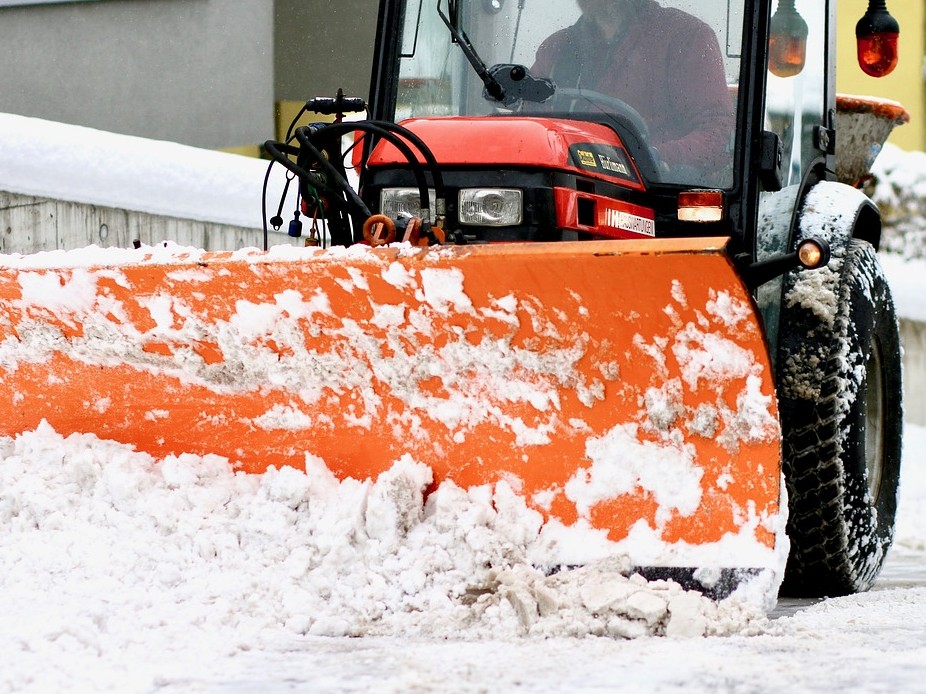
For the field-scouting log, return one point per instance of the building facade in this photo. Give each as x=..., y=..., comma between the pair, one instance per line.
x=206, y=73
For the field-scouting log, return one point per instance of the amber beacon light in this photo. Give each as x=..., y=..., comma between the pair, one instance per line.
x=877, y=33
x=787, y=46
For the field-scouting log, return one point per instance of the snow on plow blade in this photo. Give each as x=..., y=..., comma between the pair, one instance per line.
x=622, y=389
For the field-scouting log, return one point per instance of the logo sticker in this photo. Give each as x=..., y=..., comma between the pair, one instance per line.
x=614, y=166
x=603, y=159
x=627, y=218
x=586, y=158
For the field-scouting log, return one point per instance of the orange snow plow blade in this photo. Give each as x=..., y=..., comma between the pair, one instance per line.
x=622, y=388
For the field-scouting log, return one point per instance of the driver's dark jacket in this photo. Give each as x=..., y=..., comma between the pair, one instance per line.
x=667, y=65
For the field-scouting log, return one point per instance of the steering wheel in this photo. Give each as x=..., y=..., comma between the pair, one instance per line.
x=630, y=124
x=570, y=100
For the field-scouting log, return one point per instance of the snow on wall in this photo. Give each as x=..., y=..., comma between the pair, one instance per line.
x=68, y=162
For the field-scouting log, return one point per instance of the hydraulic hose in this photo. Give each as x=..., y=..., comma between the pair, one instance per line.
x=278, y=151
x=395, y=139
x=395, y=134
x=426, y=152
x=390, y=131
x=304, y=136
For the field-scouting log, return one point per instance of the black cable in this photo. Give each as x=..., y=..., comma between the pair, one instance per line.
x=350, y=150
x=405, y=150
x=395, y=138
x=346, y=200
x=377, y=127
x=263, y=206
x=305, y=139
x=279, y=152
x=425, y=152
x=277, y=222
x=278, y=156
x=292, y=126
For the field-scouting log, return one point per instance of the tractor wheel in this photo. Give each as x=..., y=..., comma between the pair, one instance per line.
x=840, y=384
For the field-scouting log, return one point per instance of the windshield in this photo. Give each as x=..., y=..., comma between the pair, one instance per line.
x=667, y=69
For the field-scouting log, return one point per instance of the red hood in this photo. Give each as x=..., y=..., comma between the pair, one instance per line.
x=589, y=149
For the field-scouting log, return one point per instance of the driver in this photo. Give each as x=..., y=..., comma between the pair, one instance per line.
x=663, y=62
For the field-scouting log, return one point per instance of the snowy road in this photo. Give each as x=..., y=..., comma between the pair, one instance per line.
x=869, y=643
x=903, y=570
x=114, y=582
x=875, y=642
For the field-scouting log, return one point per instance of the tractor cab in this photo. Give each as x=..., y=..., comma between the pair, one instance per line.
x=589, y=117
x=560, y=119
x=665, y=79
x=606, y=113
x=644, y=137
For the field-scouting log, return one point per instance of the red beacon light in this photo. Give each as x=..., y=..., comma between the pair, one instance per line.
x=877, y=33
x=787, y=44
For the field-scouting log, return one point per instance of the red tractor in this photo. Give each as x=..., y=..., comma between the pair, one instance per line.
x=605, y=255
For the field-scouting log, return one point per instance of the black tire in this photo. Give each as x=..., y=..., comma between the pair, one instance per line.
x=840, y=401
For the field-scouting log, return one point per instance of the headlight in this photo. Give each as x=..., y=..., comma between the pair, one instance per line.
x=491, y=207
x=403, y=202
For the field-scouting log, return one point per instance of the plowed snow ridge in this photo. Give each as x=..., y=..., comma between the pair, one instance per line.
x=131, y=537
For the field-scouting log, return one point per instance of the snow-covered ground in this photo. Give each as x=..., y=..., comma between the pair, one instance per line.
x=122, y=574
x=127, y=574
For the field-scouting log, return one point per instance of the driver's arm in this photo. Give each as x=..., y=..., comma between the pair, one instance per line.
x=557, y=55
x=695, y=126
x=674, y=76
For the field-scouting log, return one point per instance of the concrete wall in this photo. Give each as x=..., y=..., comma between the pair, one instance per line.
x=913, y=339
x=29, y=225
x=199, y=72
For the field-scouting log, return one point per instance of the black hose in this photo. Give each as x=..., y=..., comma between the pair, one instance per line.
x=263, y=207
x=378, y=128
x=304, y=136
x=346, y=199
x=338, y=129
x=426, y=152
x=279, y=153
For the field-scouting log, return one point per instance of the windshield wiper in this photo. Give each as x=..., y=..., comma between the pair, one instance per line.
x=492, y=85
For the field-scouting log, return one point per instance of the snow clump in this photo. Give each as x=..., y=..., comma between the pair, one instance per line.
x=112, y=540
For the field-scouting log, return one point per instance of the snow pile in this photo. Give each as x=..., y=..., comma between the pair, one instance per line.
x=68, y=162
x=185, y=555
x=907, y=278
x=899, y=189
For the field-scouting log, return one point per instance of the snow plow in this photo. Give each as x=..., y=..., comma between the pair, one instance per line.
x=638, y=298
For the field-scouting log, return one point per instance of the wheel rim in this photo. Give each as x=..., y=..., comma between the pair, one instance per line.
x=874, y=421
